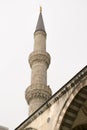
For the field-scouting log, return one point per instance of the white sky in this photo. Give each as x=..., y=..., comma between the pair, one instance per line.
x=66, y=26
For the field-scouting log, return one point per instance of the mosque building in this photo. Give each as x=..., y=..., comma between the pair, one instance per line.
x=67, y=108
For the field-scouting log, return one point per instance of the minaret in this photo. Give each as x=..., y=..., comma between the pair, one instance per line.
x=38, y=92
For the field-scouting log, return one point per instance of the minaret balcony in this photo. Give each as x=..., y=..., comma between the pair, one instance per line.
x=39, y=56
x=37, y=91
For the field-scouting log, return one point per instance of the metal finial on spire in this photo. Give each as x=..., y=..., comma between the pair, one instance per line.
x=40, y=9
x=40, y=23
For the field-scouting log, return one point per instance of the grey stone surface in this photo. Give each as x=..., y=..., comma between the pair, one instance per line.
x=40, y=24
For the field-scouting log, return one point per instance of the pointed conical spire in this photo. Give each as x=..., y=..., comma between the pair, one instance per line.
x=40, y=23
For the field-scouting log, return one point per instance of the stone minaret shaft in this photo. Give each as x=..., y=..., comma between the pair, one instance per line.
x=38, y=92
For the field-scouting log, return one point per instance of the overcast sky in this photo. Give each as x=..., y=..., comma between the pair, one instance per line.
x=66, y=26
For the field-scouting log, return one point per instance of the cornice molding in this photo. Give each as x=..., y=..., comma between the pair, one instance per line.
x=40, y=32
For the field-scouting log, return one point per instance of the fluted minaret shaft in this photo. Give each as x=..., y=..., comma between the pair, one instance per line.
x=38, y=92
